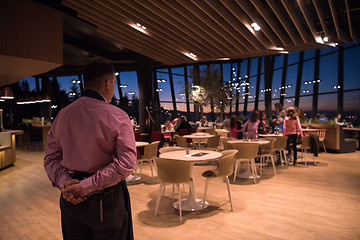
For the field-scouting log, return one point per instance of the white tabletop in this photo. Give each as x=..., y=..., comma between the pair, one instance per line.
x=168, y=131
x=270, y=135
x=259, y=141
x=181, y=155
x=202, y=136
x=141, y=144
x=352, y=129
x=205, y=128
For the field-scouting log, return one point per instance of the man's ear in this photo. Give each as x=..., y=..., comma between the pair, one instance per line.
x=107, y=84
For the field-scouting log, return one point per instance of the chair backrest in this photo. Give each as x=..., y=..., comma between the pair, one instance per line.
x=155, y=136
x=173, y=171
x=221, y=132
x=150, y=150
x=280, y=142
x=181, y=141
x=170, y=149
x=213, y=142
x=226, y=163
x=269, y=146
x=306, y=141
x=321, y=134
x=246, y=150
x=183, y=132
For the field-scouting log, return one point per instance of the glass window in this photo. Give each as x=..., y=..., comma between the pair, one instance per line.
x=164, y=85
x=179, y=84
x=307, y=78
x=261, y=105
x=226, y=72
x=326, y=50
x=243, y=69
x=252, y=88
x=262, y=88
x=254, y=66
x=309, y=54
x=305, y=103
x=328, y=73
x=291, y=78
x=129, y=79
x=181, y=108
x=289, y=102
x=251, y=106
x=351, y=103
x=293, y=58
x=279, y=59
x=276, y=84
x=327, y=103
x=167, y=105
x=351, y=68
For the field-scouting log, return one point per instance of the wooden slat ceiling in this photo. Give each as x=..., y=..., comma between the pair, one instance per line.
x=221, y=29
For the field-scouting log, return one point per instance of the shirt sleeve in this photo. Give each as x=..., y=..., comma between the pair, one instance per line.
x=52, y=161
x=124, y=161
x=244, y=127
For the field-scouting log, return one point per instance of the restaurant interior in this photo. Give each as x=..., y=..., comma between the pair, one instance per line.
x=191, y=75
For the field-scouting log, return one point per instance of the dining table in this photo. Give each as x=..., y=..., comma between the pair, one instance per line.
x=247, y=174
x=191, y=156
x=199, y=138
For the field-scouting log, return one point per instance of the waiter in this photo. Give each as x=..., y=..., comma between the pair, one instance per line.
x=90, y=152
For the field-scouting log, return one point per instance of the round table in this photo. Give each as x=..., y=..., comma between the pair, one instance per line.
x=247, y=174
x=141, y=144
x=199, y=137
x=188, y=204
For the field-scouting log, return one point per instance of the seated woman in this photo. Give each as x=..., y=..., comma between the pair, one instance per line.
x=183, y=124
x=251, y=126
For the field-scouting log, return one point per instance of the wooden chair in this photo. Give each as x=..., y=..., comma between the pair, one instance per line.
x=213, y=143
x=181, y=142
x=173, y=172
x=225, y=167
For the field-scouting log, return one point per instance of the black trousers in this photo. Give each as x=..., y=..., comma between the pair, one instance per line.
x=292, y=139
x=105, y=215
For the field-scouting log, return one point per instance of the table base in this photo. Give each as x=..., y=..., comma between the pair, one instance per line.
x=187, y=205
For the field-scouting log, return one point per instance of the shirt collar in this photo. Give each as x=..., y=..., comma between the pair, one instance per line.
x=94, y=94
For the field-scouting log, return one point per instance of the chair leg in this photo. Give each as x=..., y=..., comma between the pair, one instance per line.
x=152, y=174
x=305, y=156
x=323, y=143
x=282, y=151
x=205, y=192
x=192, y=193
x=158, y=198
x=179, y=191
x=272, y=161
x=140, y=168
x=228, y=188
x=172, y=193
x=236, y=169
x=253, y=169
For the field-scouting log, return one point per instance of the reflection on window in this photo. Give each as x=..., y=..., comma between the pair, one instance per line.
x=291, y=78
x=293, y=58
x=351, y=102
x=129, y=79
x=276, y=84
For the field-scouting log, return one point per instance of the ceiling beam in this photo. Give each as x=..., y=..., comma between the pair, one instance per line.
x=321, y=16
x=352, y=32
x=309, y=21
x=281, y=15
x=340, y=34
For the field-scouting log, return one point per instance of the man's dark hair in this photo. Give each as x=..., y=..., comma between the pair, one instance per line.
x=96, y=71
x=254, y=116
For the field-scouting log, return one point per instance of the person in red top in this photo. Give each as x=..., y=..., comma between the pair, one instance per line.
x=290, y=129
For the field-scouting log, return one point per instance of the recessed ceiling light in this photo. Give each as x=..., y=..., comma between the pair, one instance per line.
x=325, y=39
x=255, y=26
